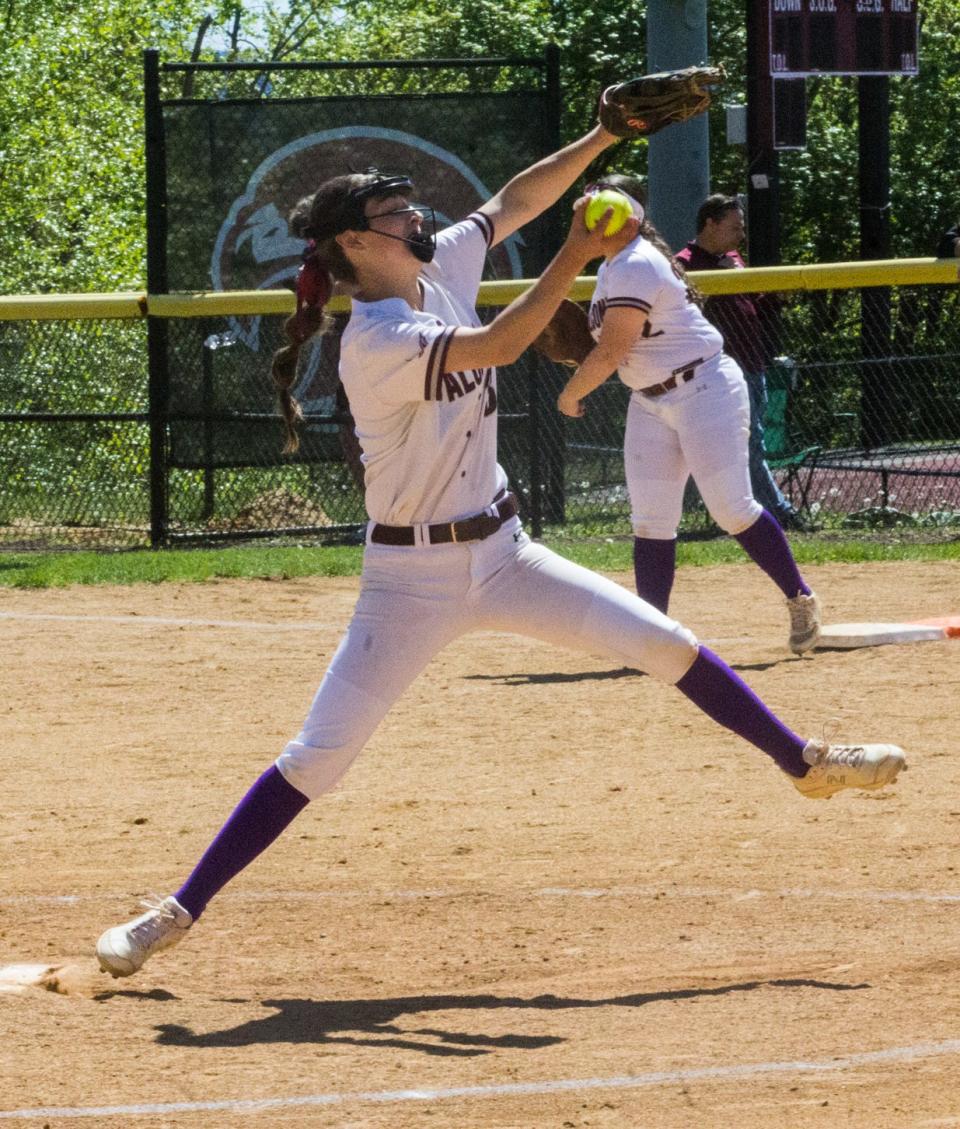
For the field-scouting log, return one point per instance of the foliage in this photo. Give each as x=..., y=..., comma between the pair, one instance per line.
x=71, y=138
x=819, y=185
x=71, y=133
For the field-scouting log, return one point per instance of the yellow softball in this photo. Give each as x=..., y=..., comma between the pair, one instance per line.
x=599, y=202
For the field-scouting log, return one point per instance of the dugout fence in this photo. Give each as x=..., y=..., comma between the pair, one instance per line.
x=879, y=431
x=230, y=150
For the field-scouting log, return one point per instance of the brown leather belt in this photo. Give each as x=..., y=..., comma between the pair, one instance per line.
x=474, y=528
x=680, y=376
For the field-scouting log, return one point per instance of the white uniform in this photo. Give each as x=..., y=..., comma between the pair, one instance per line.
x=429, y=441
x=701, y=427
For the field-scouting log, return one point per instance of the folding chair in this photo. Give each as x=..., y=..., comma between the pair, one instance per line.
x=794, y=465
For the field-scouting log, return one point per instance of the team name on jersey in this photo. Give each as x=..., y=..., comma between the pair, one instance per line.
x=450, y=386
x=440, y=384
x=457, y=384
x=599, y=309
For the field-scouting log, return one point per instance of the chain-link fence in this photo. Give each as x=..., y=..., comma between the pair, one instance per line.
x=225, y=165
x=862, y=421
x=74, y=433
x=858, y=434
x=874, y=389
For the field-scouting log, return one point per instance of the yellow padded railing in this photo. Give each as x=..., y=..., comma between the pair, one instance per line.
x=200, y=303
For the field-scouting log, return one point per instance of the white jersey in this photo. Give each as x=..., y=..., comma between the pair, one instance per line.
x=676, y=333
x=429, y=436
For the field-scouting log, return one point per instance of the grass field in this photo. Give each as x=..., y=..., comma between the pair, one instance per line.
x=55, y=570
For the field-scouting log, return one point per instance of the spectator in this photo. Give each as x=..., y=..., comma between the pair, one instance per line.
x=743, y=320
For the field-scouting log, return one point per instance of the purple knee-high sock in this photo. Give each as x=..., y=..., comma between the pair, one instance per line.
x=654, y=565
x=266, y=810
x=724, y=696
x=765, y=543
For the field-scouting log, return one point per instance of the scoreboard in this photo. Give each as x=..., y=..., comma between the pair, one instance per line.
x=842, y=37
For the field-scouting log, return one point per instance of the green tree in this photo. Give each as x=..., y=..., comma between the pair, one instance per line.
x=71, y=119
x=819, y=197
x=71, y=138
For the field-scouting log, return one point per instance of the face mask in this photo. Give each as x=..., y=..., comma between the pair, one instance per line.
x=422, y=245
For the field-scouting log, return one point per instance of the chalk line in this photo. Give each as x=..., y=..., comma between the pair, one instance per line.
x=934, y=897
x=166, y=621
x=729, y=1073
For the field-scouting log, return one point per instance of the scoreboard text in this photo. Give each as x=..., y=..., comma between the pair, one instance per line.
x=842, y=37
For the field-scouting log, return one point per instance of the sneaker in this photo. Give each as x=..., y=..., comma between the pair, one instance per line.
x=804, y=622
x=123, y=949
x=835, y=767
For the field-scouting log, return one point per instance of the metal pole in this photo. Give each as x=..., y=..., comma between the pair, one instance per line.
x=156, y=219
x=536, y=372
x=678, y=158
x=763, y=166
x=875, y=324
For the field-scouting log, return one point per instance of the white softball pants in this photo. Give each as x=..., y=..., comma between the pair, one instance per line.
x=414, y=601
x=701, y=428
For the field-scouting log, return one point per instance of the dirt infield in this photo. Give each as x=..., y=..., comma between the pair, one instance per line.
x=550, y=893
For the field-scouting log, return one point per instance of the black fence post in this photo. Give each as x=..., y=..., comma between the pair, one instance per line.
x=763, y=161
x=547, y=451
x=208, y=400
x=535, y=377
x=156, y=219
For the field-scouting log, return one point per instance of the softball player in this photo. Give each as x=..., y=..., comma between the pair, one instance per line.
x=445, y=550
x=689, y=415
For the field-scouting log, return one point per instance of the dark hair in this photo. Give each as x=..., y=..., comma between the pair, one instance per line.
x=336, y=206
x=715, y=207
x=633, y=186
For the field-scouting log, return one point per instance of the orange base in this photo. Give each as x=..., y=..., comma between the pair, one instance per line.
x=949, y=623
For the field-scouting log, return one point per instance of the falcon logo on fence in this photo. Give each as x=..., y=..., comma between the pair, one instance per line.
x=254, y=249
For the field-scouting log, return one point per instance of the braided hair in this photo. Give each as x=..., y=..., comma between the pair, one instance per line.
x=336, y=206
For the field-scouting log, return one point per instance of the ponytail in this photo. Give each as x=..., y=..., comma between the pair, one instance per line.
x=650, y=233
x=314, y=287
x=319, y=218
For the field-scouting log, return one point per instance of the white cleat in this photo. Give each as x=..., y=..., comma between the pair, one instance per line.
x=835, y=767
x=804, y=622
x=123, y=949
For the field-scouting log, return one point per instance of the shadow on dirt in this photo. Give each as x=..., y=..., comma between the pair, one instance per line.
x=547, y=677
x=373, y=1022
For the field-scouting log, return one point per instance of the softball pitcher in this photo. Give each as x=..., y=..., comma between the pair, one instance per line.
x=445, y=550
x=689, y=415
